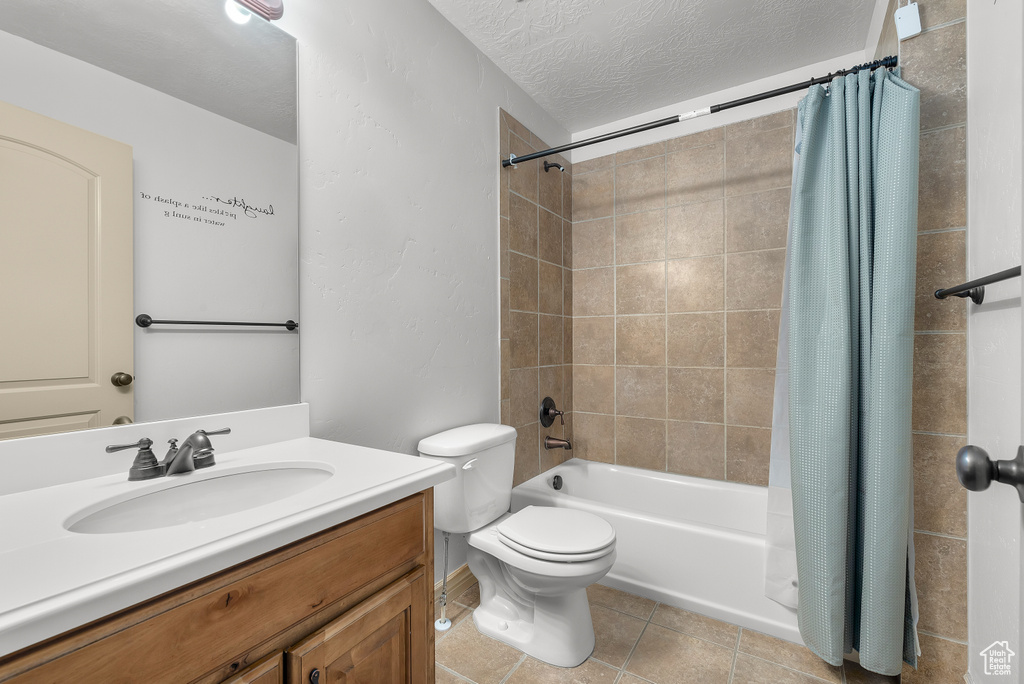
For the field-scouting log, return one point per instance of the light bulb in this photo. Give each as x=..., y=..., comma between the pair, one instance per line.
x=236, y=13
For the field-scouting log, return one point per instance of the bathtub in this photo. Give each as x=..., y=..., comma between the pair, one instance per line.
x=689, y=542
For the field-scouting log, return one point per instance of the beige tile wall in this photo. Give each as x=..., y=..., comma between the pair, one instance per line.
x=678, y=254
x=936, y=62
x=536, y=297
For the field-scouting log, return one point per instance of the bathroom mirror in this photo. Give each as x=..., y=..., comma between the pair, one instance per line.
x=208, y=107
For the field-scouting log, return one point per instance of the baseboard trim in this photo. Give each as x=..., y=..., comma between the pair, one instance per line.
x=458, y=581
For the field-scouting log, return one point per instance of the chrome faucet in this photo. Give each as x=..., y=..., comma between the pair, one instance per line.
x=195, y=452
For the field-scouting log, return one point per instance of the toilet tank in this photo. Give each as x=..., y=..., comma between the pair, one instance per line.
x=484, y=458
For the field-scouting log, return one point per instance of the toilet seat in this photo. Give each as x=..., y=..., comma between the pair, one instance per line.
x=556, y=557
x=557, y=534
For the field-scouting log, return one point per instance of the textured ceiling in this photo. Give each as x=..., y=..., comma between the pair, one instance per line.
x=589, y=62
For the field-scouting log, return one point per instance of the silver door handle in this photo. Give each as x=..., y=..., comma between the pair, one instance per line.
x=976, y=471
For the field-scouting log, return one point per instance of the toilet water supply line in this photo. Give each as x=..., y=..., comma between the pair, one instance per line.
x=442, y=624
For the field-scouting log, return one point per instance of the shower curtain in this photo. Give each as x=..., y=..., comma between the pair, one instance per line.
x=849, y=310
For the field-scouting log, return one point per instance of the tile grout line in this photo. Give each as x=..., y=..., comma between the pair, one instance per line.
x=951, y=22
x=944, y=638
x=665, y=354
x=453, y=672
x=536, y=446
x=615, y=313
x=636, y=643
x=940, y=534
x=735, y=654
x=694, y=257
x=515, y=667
x=725, y=325
x=815, y=678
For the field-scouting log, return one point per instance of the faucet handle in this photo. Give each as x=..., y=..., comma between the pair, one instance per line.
x=204, y=457
x=145, y=466
x=548, y=411
x=142, y=444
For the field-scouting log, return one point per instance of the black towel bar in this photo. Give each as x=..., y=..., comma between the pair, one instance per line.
x=975, y=289
x=145, y=320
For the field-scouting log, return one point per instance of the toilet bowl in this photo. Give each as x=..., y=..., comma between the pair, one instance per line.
x=533, y=566
x=539, y=605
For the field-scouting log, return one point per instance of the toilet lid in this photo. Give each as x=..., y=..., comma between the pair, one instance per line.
x=557, y=531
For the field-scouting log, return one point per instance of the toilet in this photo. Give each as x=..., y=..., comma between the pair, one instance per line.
x=533, y=566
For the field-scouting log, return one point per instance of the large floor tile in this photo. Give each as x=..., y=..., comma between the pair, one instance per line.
x=667, y=657
x=469, y=598
x=443, y=676
x=751, y=670
x=630, y=604
x=788, y=654
x=532, y=671
x=456, y=612
x=475, y=656
x=616, y=634
x=694, y=624
x=855, y=674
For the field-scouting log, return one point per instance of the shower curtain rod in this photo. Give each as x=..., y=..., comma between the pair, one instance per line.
x=887, y=62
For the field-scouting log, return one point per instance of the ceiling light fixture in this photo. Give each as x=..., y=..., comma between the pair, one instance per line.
x=236, y=12
x=268, y=9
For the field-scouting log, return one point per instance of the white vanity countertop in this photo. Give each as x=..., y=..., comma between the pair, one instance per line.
x=52, y=580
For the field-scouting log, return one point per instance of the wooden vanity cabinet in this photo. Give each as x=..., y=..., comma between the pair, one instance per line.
x=380, y=640
x=353, y=601
x=270, y=670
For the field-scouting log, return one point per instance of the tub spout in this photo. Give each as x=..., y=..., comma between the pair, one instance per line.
x=555, y=443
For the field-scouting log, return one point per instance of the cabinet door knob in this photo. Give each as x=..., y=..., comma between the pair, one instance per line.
x=121, y=379
x=314, y=677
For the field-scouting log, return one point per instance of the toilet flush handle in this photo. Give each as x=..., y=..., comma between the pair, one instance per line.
x=468, y=465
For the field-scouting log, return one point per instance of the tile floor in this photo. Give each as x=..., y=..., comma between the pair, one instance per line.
x=639, y=641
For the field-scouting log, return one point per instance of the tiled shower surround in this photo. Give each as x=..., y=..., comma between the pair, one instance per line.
x=536, y=297
x=678, y=259
x=671, y=291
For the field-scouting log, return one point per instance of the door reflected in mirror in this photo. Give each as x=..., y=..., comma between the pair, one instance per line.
x=207, y=110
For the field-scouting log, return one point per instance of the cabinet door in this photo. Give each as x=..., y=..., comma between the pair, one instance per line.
x=270, y=670
x=381, y=641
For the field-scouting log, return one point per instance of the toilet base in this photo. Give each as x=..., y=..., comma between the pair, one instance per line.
x=557, y=630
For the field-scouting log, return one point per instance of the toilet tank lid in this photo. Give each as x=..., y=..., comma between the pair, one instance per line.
x=467, y=439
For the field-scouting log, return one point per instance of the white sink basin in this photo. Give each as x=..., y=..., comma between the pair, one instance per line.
x=195, y=500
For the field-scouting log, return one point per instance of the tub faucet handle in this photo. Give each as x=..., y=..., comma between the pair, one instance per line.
x=548, y=411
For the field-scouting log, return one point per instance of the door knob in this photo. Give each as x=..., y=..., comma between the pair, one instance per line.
x=121, y=379
x=122, y=420
x=976, y=470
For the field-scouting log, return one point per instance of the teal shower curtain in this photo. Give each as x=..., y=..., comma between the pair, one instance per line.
x=851, y=337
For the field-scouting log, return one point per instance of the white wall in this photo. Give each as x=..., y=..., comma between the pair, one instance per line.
x=994, y=121
x=245, y=269
x=398, y=139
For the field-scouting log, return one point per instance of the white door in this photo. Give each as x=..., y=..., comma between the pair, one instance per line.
x=65, y=276
x=995, y=124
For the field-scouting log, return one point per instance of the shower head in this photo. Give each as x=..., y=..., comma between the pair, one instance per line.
x=553, y=165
